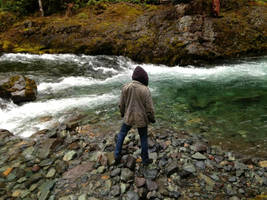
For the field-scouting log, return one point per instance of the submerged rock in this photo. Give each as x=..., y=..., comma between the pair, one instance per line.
x=19, y=89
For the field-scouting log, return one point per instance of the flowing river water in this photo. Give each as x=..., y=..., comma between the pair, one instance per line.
x=227, y=102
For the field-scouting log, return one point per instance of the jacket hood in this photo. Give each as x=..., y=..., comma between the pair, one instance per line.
x=140, y=75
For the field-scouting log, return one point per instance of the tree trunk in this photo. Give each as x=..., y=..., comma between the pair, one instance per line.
x=41, y=7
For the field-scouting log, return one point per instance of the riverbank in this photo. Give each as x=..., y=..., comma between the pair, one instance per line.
x=164, y=34
x=76, y=162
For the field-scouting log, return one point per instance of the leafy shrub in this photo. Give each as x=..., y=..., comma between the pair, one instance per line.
x=22, y=7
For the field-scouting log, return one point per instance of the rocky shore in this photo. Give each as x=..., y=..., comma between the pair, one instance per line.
x=181, y=33
x=76, y=163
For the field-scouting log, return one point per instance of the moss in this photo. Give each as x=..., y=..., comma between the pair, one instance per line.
x=82, y=16
x=10, y=83
x=36, y=49
x=7, y=46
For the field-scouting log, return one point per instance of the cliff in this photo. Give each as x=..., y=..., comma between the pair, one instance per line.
x=184, y=33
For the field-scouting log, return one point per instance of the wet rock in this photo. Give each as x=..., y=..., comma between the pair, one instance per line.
x=163, y=161
x=4, y=133
x=32, y=179
x=130, y=162
x=45, y=189
x=115, y=190
x=241, y=191
x=126, y=175
x=69, y=155
x=174, y=194
x=72, y=125
x=45, y=147
x=199, y=147
x=110, y=157
x=172, y=168
x=189, y=168
x=140, y=182
x=101, y=170
x=229, y=190
x=232, y=179
x=207, y=179
x=19, y=89
x=199, y=156
x=151, y=185
x=234, y=198
x=151, y=195
x=51, y=173
x=61, y=166
x=115, y=172
x=142, y=192
x=215, y=177
x=83, y=197
x=150, y=174
x=124, y=187
x=153, y=156
x=46, y=162
x=78, y=171
x=131, y=195
x=200, y=165
x=240, y=166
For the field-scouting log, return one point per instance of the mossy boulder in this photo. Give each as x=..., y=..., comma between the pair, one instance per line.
x=19, y=89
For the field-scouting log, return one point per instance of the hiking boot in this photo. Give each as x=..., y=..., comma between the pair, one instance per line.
x=117, y=160
x=147, y=162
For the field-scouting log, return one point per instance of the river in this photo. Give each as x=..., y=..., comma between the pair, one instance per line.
x=227, y=103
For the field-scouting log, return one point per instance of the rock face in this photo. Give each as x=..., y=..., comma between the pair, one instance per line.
x=19, y=89
x=184, y=33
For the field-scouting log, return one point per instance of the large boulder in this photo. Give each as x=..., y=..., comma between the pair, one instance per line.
x=18, y=88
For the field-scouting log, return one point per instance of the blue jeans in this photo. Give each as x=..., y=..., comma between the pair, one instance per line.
x=143, y=136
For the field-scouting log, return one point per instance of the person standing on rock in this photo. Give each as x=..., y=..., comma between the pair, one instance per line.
x=216, y=8
x=137, y=110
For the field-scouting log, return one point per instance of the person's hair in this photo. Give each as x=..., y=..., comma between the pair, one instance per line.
x=140, y=75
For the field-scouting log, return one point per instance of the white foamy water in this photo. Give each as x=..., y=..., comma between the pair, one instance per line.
x=80, y=82
x=218, y=73
x=25, y=120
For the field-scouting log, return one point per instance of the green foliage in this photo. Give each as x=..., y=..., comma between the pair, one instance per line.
x=91, y=2
x=22, y=7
